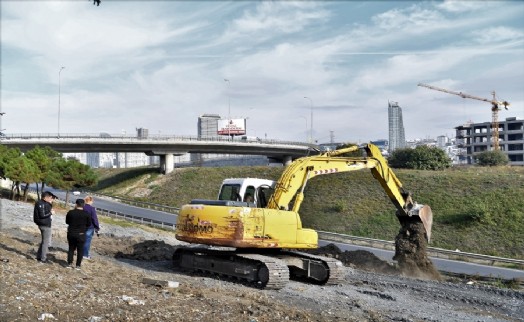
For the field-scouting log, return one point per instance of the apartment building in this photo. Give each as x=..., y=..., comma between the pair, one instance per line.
x=474, y=138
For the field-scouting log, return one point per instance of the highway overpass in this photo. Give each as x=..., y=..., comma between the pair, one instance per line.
x=163, y=145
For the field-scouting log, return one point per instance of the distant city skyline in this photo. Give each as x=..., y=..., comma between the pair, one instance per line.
x=160, y=64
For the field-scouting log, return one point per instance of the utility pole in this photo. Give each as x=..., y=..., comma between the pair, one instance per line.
x=59, y=72
x=229, y=107
x=311, y=121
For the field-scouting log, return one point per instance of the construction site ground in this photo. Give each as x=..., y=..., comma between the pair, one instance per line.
x=110, y=287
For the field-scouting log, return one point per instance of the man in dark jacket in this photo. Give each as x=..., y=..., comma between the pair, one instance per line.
x=79, y=221
x=42, y=217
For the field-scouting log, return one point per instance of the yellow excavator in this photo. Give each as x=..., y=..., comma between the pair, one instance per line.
x=251, y=233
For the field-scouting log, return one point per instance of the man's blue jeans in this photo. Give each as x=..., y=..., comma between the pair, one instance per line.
x=41, y=255
x=87, y=244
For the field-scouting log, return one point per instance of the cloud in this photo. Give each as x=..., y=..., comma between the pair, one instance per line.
x=411, y=17
x=280, y=16
x=460, y=6
x=59, y=34
x=495, y=35
x=160, y=65
x=272, y=19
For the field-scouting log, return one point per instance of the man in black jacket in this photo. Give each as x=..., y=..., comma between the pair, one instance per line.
x=79, y=221
x=42, y=217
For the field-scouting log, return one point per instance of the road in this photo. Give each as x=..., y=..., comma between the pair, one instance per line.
x=445, y=265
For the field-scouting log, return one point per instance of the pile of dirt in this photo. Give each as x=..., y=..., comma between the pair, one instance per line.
x=411, y=252
x=150, y=250
x=360, y=259
x=133, y=248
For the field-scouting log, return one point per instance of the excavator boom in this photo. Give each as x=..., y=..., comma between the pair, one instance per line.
x=294, y=179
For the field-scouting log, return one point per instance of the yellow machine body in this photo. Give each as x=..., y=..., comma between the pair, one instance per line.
x=243, y=227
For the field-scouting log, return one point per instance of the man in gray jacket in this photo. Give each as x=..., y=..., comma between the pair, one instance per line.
x=42, y=217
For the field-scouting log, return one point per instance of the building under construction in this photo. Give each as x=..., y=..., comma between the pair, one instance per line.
x=475, y=138
x=397, y=138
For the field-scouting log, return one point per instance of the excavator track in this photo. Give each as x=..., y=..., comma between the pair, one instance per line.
x=254, y=269
x=313, y=268
x=277, y=271
x=269, y=269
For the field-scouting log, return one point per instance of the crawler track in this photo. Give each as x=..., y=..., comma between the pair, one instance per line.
x=253, y=269
x=322, y=270
x=269, y=270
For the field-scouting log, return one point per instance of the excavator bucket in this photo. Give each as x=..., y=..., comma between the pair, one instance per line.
x=421, y=213
x=426, y=216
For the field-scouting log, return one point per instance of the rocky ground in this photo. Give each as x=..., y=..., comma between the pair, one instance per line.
x=110, y=286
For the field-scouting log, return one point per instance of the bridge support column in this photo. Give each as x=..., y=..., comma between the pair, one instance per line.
x=167, y=163
x=287, y=160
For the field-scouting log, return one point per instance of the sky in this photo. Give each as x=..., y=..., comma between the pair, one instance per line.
x=288, y=67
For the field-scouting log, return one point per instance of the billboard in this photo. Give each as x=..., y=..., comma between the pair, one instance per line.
x=231, y=127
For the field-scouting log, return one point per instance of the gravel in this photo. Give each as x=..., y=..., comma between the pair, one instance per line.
x=109, y=287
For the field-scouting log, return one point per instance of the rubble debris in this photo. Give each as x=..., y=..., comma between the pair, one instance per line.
x=162, y=283
x=45, y=316
x=132, y=301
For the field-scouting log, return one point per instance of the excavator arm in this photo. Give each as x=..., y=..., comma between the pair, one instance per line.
x=293, y=181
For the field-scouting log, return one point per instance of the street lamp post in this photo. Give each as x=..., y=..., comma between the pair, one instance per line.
x=311, y=122
x=305, y=118
x=59, y=72
x=229, y=108
x=1, y=130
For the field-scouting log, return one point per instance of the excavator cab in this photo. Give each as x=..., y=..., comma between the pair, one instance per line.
x=255, y=192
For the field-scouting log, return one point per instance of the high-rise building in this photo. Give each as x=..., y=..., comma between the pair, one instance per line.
x=397, y=138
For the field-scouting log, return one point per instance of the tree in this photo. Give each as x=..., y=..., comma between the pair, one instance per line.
x=21, y=169
x=43, y=158
x=492, y=158
x=421, y=158
x=6, y=154
x=70, y=173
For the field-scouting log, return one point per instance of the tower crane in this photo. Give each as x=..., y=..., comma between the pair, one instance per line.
x=495, y=107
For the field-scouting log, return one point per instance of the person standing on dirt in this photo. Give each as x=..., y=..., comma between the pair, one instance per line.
x=42, y=217
x=95, y=227
x=79, y=221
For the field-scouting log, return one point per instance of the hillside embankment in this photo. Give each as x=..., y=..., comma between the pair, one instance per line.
x=478, y=210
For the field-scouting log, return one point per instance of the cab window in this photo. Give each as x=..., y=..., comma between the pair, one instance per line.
x=229, y=192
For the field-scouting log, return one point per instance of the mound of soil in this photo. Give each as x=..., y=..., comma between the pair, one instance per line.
x=360, y=259
x=150, y=250
x=411, y=252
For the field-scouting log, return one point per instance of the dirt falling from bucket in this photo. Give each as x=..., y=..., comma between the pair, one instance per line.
x=411, y=252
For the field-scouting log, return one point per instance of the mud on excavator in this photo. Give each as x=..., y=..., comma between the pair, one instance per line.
x=251, y=233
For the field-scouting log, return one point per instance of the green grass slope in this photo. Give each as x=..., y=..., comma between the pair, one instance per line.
x=475, y=209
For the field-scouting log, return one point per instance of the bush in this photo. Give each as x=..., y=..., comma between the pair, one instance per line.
x=421, y=158
x=492, y=158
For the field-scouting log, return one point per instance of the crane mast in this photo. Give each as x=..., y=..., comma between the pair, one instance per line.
x=494, y=109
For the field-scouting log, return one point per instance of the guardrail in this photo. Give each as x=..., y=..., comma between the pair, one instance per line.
x=136, y=219
x=154, y=137
x=141, y=204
